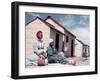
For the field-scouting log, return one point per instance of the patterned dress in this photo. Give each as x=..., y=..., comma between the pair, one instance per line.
x=38, y=48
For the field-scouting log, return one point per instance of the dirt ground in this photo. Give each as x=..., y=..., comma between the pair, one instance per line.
x=80, y=61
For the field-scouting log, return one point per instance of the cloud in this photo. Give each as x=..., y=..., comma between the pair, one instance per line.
x=33, y=14
x=72, y=21
x=82, y=34
x=30, y=16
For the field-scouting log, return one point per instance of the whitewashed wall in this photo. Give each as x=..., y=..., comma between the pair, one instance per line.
x=78, y=48
x=55, y=25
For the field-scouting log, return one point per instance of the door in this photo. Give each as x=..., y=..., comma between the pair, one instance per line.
x=72, y=48
x=57, y=42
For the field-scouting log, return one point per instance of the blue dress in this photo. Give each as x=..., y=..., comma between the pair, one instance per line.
x=55, y=57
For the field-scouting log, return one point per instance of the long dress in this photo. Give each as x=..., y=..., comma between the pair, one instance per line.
x=38, y=48
x=55, y=57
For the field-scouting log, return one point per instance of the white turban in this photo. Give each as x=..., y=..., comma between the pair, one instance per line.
x=51, y=40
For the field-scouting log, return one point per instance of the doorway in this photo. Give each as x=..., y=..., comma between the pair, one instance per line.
x=72, y=48
x=57, y=42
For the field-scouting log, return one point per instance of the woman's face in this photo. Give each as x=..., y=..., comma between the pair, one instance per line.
x=40, y=36
x=52, y=44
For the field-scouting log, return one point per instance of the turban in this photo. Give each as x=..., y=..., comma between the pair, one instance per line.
x=39, y=33
x=51, y=40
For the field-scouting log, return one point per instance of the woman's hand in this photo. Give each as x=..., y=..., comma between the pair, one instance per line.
x=42, y=56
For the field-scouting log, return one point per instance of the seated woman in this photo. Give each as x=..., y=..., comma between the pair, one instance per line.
x=57, y=57
x=39, y=57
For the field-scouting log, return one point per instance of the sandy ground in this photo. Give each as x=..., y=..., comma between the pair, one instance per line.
x=79, y=62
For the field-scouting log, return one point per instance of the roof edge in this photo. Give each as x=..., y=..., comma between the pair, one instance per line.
x=49, y=17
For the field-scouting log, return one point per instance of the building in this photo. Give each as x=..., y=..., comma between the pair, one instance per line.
x=63, y=39
x=86, y=51
x=81, y=49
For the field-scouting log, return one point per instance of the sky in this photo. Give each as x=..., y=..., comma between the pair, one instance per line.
x=76, y=24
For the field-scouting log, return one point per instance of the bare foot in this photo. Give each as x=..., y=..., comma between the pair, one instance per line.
x=72, y=62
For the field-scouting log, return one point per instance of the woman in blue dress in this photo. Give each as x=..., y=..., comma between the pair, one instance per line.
x=57, y=57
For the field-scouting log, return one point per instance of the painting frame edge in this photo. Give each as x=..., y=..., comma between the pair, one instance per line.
x=15, y=39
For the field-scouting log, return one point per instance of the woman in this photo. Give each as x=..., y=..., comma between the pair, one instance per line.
x=39, y=56
x=57, y=57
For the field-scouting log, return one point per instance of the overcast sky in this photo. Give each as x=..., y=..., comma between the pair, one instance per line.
x=76, y=24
